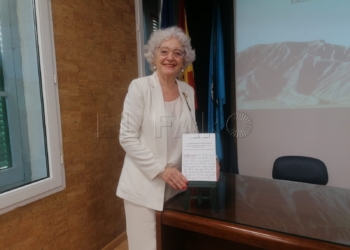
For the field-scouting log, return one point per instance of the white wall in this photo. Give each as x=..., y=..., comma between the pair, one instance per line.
x=319, y=133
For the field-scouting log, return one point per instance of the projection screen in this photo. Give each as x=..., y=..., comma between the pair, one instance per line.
x=292, y=68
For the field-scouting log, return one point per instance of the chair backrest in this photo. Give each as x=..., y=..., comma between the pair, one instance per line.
x=300, y=169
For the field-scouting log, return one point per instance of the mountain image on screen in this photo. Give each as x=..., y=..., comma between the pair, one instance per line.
x=311, y=74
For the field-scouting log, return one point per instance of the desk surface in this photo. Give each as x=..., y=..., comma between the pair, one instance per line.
x=311, y=211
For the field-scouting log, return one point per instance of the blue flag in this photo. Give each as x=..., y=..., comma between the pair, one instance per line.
x=167, y=19
x=217, y=95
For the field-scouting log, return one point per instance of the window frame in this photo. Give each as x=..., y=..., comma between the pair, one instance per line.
x=56, y=181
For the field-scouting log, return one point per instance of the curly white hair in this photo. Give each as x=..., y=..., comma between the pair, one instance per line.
x=160, y=35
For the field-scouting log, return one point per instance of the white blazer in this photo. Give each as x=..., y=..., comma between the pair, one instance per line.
x=145, y=141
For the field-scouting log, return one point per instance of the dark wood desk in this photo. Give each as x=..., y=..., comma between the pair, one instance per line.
x=258, y=213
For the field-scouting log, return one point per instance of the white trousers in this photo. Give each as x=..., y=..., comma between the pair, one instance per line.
x=140, y=227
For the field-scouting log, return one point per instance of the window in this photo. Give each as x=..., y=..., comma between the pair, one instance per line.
x=155, y=23
x=31, y=164
x=14, y=139
x=146, y=22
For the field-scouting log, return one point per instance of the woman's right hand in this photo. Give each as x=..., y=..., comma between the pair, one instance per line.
x=174, y=178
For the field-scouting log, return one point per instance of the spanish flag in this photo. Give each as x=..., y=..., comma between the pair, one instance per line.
x=188, y=75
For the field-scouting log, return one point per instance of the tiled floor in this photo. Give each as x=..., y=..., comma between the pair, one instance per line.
x=123, y=246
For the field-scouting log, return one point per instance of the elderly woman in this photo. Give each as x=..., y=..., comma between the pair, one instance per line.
x=157, y=110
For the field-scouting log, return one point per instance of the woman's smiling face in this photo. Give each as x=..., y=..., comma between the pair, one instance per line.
x=169, y=58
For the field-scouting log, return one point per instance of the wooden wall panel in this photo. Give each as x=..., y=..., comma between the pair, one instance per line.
x=95, y=43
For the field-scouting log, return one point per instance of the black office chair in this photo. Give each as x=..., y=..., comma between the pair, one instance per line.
x=300, y=169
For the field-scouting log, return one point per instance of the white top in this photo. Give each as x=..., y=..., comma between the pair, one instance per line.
x=174, y=140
